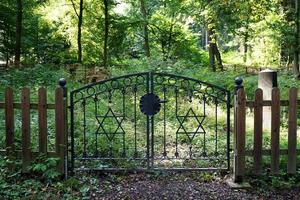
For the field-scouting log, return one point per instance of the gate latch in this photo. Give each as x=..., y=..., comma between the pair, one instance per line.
x=150, y=104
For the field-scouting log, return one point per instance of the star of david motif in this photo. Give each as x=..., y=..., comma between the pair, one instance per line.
x=115, y=127
x=183, y=120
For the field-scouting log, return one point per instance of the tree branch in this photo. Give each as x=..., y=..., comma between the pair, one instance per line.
x=74, y=7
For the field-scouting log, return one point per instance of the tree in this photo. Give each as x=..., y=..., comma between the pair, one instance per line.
x=296, y=47
x=214, y=53
x=145, y=28
x=7, y=33
x=106, y=32
x=18, y=32
x=79, y=27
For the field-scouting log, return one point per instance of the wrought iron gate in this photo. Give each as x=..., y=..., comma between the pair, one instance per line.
x=149, y=121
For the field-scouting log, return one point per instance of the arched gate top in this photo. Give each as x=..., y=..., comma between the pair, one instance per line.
x=149, y=79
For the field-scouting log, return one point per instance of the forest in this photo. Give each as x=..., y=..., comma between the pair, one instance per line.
x=185, y=51
x=109, y=34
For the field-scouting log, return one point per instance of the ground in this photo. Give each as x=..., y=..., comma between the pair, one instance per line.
x=178, y=186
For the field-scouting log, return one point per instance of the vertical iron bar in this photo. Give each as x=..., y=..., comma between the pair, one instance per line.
x=176, y=112
x=204, y=113
x=165, y=152
x=152, y=123
x=124, y=115
x=216, y=126
x=148, y=138
x=204, y=102
x=84, y=128
x=152, y=140
x=72, y=132
x=228, y=130
x=135, y=142
x=148, y=127
x=96, y=153
x=96, y=111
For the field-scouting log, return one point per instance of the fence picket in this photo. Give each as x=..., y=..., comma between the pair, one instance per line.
x=59, y=124
x=26, y=151
x=258, y=119
x=275, y=127
x=42, y=113
x=292, y=131
x=9, y=120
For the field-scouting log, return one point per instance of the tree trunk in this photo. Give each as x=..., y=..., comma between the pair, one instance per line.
x=106, y=24
x=7, y=44
x=6, y=38
x=80, y=20
x=218, y=57
x=214, y=53
x=211, y=50
x=296, y=48
x=145, y=27
x=18, y=32
x=211, y=57
x=37, y=42
x=203, y=38
x=170, y=36
x=246, y=36
x=163, y=44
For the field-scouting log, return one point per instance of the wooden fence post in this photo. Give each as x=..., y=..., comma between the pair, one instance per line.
x=9, y=120
x=292, y=131
x=275, y=127
x=239, y=131
x=62, y=83
x=258, y=120
x=42, y=113
x=26, y=149
x=9, y=124
x=61, y=124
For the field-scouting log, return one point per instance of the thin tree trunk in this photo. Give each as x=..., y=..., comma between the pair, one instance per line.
x=79, y=27
x=163, y=49
x=6, y=36
x=296, y=48
x=18, y=32
x=106, y=24
x=203, y=37
x=211, y=50
x=246, y=45
x=37, y=43
x=218, y=57
x=145, y=27
x=80, y=20
x=170, y=36
x=214, y=53
x=211, y=57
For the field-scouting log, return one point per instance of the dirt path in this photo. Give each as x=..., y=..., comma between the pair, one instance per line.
x=180, y=186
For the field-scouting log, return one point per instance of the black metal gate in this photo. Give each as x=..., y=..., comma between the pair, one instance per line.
x=149, y=121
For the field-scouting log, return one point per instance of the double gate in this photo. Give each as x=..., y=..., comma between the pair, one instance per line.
x=149, y=121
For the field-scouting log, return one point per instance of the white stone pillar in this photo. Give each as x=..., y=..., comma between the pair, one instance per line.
x=267, y=79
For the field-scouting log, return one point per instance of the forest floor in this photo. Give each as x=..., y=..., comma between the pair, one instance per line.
x=180, y=186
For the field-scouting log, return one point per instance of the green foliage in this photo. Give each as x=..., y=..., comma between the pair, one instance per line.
x=177, y=36
x=40, y=182
x=176, y=31
x=44, y=167
x=280, y=181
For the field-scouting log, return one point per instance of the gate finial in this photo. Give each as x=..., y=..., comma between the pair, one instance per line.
x=62, y=83
x=238, y=84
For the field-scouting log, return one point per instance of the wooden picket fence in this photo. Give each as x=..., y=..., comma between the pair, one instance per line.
x=26, y=153
x=240, y=153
